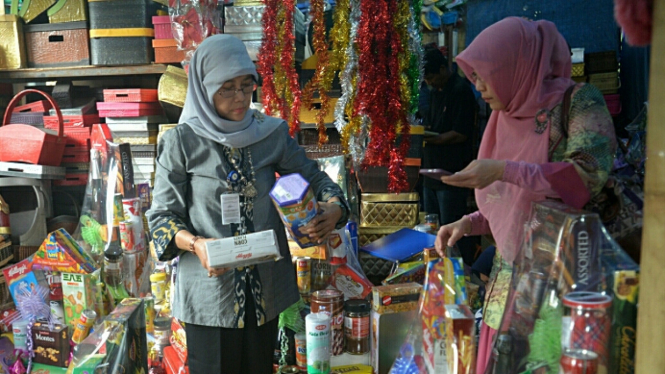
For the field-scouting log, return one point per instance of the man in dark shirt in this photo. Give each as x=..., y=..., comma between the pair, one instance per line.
x=451, y=114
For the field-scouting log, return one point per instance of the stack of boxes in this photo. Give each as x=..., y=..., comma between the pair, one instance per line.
x=383, y=213
x=245, y=23
x=166, y=47
x=133, y=116
x=603, y=71
x=77, y=123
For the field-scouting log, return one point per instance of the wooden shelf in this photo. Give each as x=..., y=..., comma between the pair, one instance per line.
x=40, y=74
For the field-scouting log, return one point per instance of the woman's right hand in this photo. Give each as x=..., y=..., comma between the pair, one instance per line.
x=449, y=234
x=201, y=253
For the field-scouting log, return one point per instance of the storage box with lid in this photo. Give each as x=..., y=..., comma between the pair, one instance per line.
x=67, y=11
x=166, y=51
x=162, y=25
x=245, y=23
x=601, y=62
x=11, y=42
x=607, y=83
x=30, y=9
x=387, y=209
x=128, y=46
x=121, y=14
x=57, y=44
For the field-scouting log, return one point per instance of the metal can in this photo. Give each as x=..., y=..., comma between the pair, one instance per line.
x=304, y=273
x=132, y=208
x=82, y=328
x=578, y=361
x=301, y=351
x=118, y=213
x=127, y=240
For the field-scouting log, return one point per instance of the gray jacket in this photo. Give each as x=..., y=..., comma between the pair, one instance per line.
x=189, y=180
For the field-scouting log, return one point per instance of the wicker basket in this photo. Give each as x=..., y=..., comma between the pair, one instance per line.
x=578, y=70
x=21, y=252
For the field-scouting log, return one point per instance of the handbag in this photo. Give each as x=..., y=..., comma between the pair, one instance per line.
x=620, y=202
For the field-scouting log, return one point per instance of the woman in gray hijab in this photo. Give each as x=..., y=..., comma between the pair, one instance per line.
x=222, y=146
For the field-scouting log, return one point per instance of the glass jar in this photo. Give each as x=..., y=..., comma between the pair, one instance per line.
x=432, y=220
x=162, y=331
x=356, y=326
x=587, y=324
x=113, y=266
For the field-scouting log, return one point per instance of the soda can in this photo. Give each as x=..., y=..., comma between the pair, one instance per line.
x=132, y=208
x=127, y=239
x=82, y=328
x=578, y=361
x=301, y=351
x=118, y=213
x=303, y=271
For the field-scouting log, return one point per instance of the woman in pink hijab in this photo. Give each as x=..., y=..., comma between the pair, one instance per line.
x=522, y=70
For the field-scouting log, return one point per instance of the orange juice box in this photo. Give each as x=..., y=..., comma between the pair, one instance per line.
x=296, y=204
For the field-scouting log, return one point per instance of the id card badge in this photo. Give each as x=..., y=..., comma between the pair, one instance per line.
x=230, y=208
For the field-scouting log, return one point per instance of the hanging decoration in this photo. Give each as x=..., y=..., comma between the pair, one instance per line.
x=416, y=72
x=348, y=81
x=267, y=57
x=276, y=65
x=319, y=80
x=380, y=48
x=292, y=84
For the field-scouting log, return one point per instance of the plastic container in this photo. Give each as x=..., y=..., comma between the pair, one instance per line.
x=332, y=302
x=158, y=286
x=587, y=324
x=613, y=104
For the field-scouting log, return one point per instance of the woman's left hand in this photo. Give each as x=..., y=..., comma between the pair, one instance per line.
x=478, y=174
x=324, y=223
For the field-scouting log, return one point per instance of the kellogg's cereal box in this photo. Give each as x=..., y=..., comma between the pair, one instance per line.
x=296, y=204
x=21, y=277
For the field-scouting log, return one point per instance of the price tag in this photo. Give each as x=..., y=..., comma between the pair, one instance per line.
x=230, y=208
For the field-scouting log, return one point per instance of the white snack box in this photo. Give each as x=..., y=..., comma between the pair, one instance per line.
x=243, y=250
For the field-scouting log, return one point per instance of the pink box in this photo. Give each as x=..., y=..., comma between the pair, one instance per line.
x=162, y=26
x=111, y=109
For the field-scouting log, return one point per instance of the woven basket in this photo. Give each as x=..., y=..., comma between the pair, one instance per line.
x=21, y=252
x=578, y=70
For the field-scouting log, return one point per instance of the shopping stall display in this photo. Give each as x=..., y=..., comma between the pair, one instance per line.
x=375, y=296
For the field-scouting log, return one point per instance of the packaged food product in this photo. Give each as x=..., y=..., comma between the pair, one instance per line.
x=296, y=205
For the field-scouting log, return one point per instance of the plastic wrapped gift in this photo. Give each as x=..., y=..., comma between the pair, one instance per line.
x=118, y=344
x=572, y=288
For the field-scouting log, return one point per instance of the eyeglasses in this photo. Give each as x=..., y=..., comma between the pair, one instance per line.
x=227, y=94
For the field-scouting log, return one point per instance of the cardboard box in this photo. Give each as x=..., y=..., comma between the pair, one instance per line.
x=51, y=346
x=389, y=332
x=127, y=345
x=243, y=250
x=21, y=276
x=47, y=369
x=173, y=363
x=396, y=298
x=296, y=205
x=78, y=294
x=460, y=338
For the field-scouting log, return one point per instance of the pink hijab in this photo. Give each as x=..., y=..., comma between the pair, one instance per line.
x=528, y=65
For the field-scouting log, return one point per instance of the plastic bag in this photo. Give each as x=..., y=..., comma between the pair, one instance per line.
x=442, y=337
x=192, y=22
x=562, y=297
x=346, y=274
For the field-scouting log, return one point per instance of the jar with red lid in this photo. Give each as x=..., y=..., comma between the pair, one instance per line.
x=587, y=324
x=356, y=326
x=331, y=301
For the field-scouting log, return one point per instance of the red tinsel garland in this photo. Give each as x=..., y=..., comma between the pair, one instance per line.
x=378, y=91
x=288, y=65
x=315, y=84
x=267, y=58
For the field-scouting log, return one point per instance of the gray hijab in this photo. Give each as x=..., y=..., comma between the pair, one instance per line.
x=218, y=59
